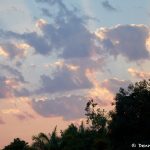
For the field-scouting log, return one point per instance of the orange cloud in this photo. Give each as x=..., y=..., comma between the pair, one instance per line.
x=100, y=33
x=3, y=52
x=61, y=63
x=40, y=23
x=139, y=74
x=24, y=47
x=12, y=83
x=72, y=67
x=148, y=43
x=98, y=91
x=10, y=111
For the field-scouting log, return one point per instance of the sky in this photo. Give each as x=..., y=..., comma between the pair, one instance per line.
x=55, y=55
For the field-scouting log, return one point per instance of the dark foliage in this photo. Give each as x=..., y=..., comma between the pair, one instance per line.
x=17, y=144
x=131, y=118
x=128, y=123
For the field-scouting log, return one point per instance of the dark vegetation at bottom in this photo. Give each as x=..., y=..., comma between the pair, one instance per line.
x=128, y=123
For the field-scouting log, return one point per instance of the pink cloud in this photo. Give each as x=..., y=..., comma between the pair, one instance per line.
x=139, y=74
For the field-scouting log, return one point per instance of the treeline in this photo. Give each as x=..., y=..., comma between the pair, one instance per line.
x=126, y=127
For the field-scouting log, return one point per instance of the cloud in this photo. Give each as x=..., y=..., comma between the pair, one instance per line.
x=24, y=116
x=31, y=40
x=1, y=121
x=10, y=111
x=96, y=64
x=69, y=107
x=99, y=93
x=46, y=12
x=139, y=74
x=50, y=2
x=108, y=6
x=72, y=38
x=22, y=92
x=126, y=40
x=38, y=42
x=10, y=50
x=10, y=87
x=18, y=113
x=20, y=116
x=114, y=84
x=65, y=78
x=9, y=70
x=66, y=34
x=12, y=83
x=5, y=90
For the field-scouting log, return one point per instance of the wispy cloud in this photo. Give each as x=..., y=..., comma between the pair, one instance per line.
x=12, y=82
x=139, y=74
x=108, y=6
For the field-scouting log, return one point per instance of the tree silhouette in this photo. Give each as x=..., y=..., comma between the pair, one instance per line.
x=17, y=144
x=131, y=118
x=129, y=123
x=44, y=142
x=97, y=120
x=95, y=116
x=40, y=142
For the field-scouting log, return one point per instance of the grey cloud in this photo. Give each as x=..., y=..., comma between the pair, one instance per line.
x=66, y=34
x=12, y=50
x=68, y=107
x=108, y=6
x=72, y=38
x=9, y=40
x=126, y=40
x=12, y=72
x=5, y=90
x=18, y=64
x=64, y=80
x=46, y=12
x=71, y=33
x=89, y=63
x=36, y=41
x=9, y=78
x=40, y=44
x=54, y=2
x=69, y=39
x=22, y=92
x=113, y=85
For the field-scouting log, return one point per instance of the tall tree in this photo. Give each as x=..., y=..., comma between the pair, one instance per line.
x=95, y=116
x=131, y=118
x=97, y=120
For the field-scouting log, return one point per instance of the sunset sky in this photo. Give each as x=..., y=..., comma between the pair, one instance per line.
x=57, y=54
